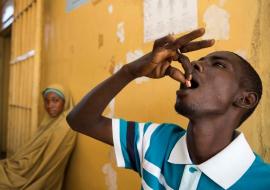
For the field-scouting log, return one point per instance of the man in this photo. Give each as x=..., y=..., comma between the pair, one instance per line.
x=218, y=92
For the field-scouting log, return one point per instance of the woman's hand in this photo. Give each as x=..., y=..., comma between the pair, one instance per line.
x=157, y=63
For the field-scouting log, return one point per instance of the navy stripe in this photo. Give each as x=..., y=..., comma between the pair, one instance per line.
x=130, y=143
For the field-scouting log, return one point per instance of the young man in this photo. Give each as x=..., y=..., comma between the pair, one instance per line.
x=218, y=92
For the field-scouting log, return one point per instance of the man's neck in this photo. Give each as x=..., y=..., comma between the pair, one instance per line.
x=206, y=137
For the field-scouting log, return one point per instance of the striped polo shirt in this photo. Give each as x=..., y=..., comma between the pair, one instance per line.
x=159, y=154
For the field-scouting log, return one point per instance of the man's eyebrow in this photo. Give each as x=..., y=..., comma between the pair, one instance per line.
x=215, y=57
x=220, y=57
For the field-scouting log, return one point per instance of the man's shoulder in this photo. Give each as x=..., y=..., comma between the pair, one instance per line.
x=260, y=166
x=258, y=174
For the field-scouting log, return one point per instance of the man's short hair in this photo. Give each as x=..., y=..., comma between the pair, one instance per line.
x=250, y=81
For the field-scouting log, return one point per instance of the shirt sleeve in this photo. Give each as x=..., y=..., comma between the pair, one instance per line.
x=130, y=139
x=132, y=142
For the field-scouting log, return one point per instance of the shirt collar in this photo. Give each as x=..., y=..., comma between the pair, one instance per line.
x=226, y=167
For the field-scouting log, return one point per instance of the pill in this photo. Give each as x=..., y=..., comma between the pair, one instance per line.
x=188, y=83
x=178, y=51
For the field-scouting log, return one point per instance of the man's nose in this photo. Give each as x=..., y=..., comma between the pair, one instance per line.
x=197, y=65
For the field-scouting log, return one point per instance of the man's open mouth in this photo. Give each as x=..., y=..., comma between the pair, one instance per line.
x=194, y=84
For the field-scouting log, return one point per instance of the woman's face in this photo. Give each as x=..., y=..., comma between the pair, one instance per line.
x=53, y=104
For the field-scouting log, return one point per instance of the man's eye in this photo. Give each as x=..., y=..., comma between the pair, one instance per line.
x=220, y=65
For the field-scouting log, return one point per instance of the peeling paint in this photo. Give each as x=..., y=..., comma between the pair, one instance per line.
x=110, y=176
x=132, y=56
x=110, y=8
x=117, y=67
x=110, y=173
x=112, y=156
x=217, y=23
x=120, y=33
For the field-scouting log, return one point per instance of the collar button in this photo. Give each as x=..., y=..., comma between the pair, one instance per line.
x=192, y=169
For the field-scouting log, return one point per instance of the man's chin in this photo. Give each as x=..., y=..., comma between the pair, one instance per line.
x=185, y=110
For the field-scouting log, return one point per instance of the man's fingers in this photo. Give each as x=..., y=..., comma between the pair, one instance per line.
x=184, y=60
x=175, y=74
x=164, y=41
x=163, y=54
x=188, y=37
x=193, y=46
x=164, y=68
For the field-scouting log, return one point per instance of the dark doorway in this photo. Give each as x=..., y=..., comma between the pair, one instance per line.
x=5, y=50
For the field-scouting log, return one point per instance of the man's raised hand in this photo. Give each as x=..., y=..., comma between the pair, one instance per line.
x=157, y=63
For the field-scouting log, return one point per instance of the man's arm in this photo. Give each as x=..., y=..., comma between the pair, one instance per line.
x=86, y=117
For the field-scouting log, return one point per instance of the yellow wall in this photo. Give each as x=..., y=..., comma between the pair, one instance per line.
x=81, y=48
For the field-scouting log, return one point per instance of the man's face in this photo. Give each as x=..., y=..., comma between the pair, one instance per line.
x=215, y=83
x=54, y=105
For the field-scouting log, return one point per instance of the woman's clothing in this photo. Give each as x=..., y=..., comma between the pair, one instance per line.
x=41, y=162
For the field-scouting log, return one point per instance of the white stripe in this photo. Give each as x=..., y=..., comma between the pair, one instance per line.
x=139, y=143
x=155, y=171
x=147, y=137
x=116, y=142
x=145, y=186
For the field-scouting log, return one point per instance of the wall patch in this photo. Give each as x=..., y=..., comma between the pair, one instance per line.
x=120, y=33
x=162, y=17
x=217, y=23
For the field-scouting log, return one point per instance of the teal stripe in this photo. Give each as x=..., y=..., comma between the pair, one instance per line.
x=152, y=181
x=146, y=126
x=123, y=141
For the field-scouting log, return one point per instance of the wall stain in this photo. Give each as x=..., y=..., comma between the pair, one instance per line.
x=112, y=65
x=96, y=2
x=100, y=40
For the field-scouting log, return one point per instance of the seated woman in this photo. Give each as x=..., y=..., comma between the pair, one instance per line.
x=40, y=163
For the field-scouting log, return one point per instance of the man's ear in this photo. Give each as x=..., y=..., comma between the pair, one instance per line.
x=247, y=100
